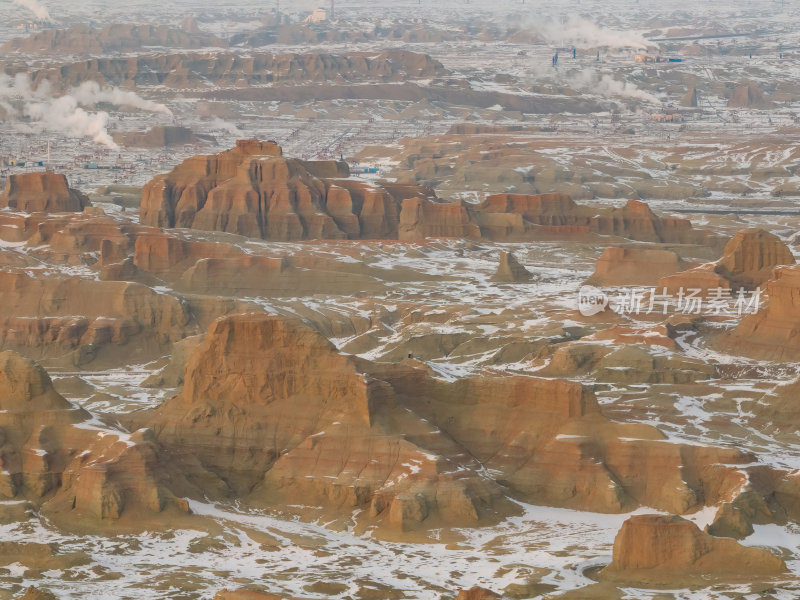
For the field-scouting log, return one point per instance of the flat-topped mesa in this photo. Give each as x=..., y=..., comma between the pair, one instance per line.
x=84, y=39
x=253, y=190
x=255, y=147
x=522, y=217
x=422, y=218
x=542, y=209
x=659, y=550
x=159, y=136
x=41, y=192
x=637, y=221
x=80, y=321
x=178, y=69
x=634, y=266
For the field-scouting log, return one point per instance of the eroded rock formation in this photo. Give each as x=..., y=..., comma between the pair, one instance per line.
x=403, y=432
x=477, y=593
x=773, y=333
x=751, y=256
x=230, y=69
x=664, y=550
x=517, y=216
x=72, y=319
x=156, y=137
x=42, y=192
x=634, y=266
x=34, y=593
x=510, y=270
x=748, y=260
x=748, y=94
x=83, y=39
x=254, y=191
x=249, y=382
x=57, y=458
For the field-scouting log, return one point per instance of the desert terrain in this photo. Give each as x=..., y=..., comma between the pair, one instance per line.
x=399, y=300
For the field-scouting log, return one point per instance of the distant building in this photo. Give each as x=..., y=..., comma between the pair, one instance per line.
x=318, y=16
x=648, y=58
x=667, y=118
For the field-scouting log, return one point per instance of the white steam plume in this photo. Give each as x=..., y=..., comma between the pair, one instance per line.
x=39, y=110
x=90, y=92
x=38, y=10
x=220, y=124
x=64, y=115
x=605, y=85
x=580, y=32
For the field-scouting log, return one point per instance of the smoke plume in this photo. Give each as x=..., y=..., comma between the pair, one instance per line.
x=36, y=109
x=65, y=116
x=220, y=124
x=38, y=10
x=90, y=93
x=580, y=32
x=605, y=85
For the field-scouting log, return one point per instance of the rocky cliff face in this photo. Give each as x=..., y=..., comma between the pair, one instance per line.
x=518, y=217
x=83, y=39
x=634, y=266
x=156, y=137
x=78, y=321
x=661, y=550
x=41, y=192
x=272, y=413
x=751, y=256
x=55, y=457
x=773, y=332
x=510, y=270
x=636, y=221
x=201, y=267
x=421, y=218
x=254, y=191
x=230, y=70
x=748, y=260
x=83, y=303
